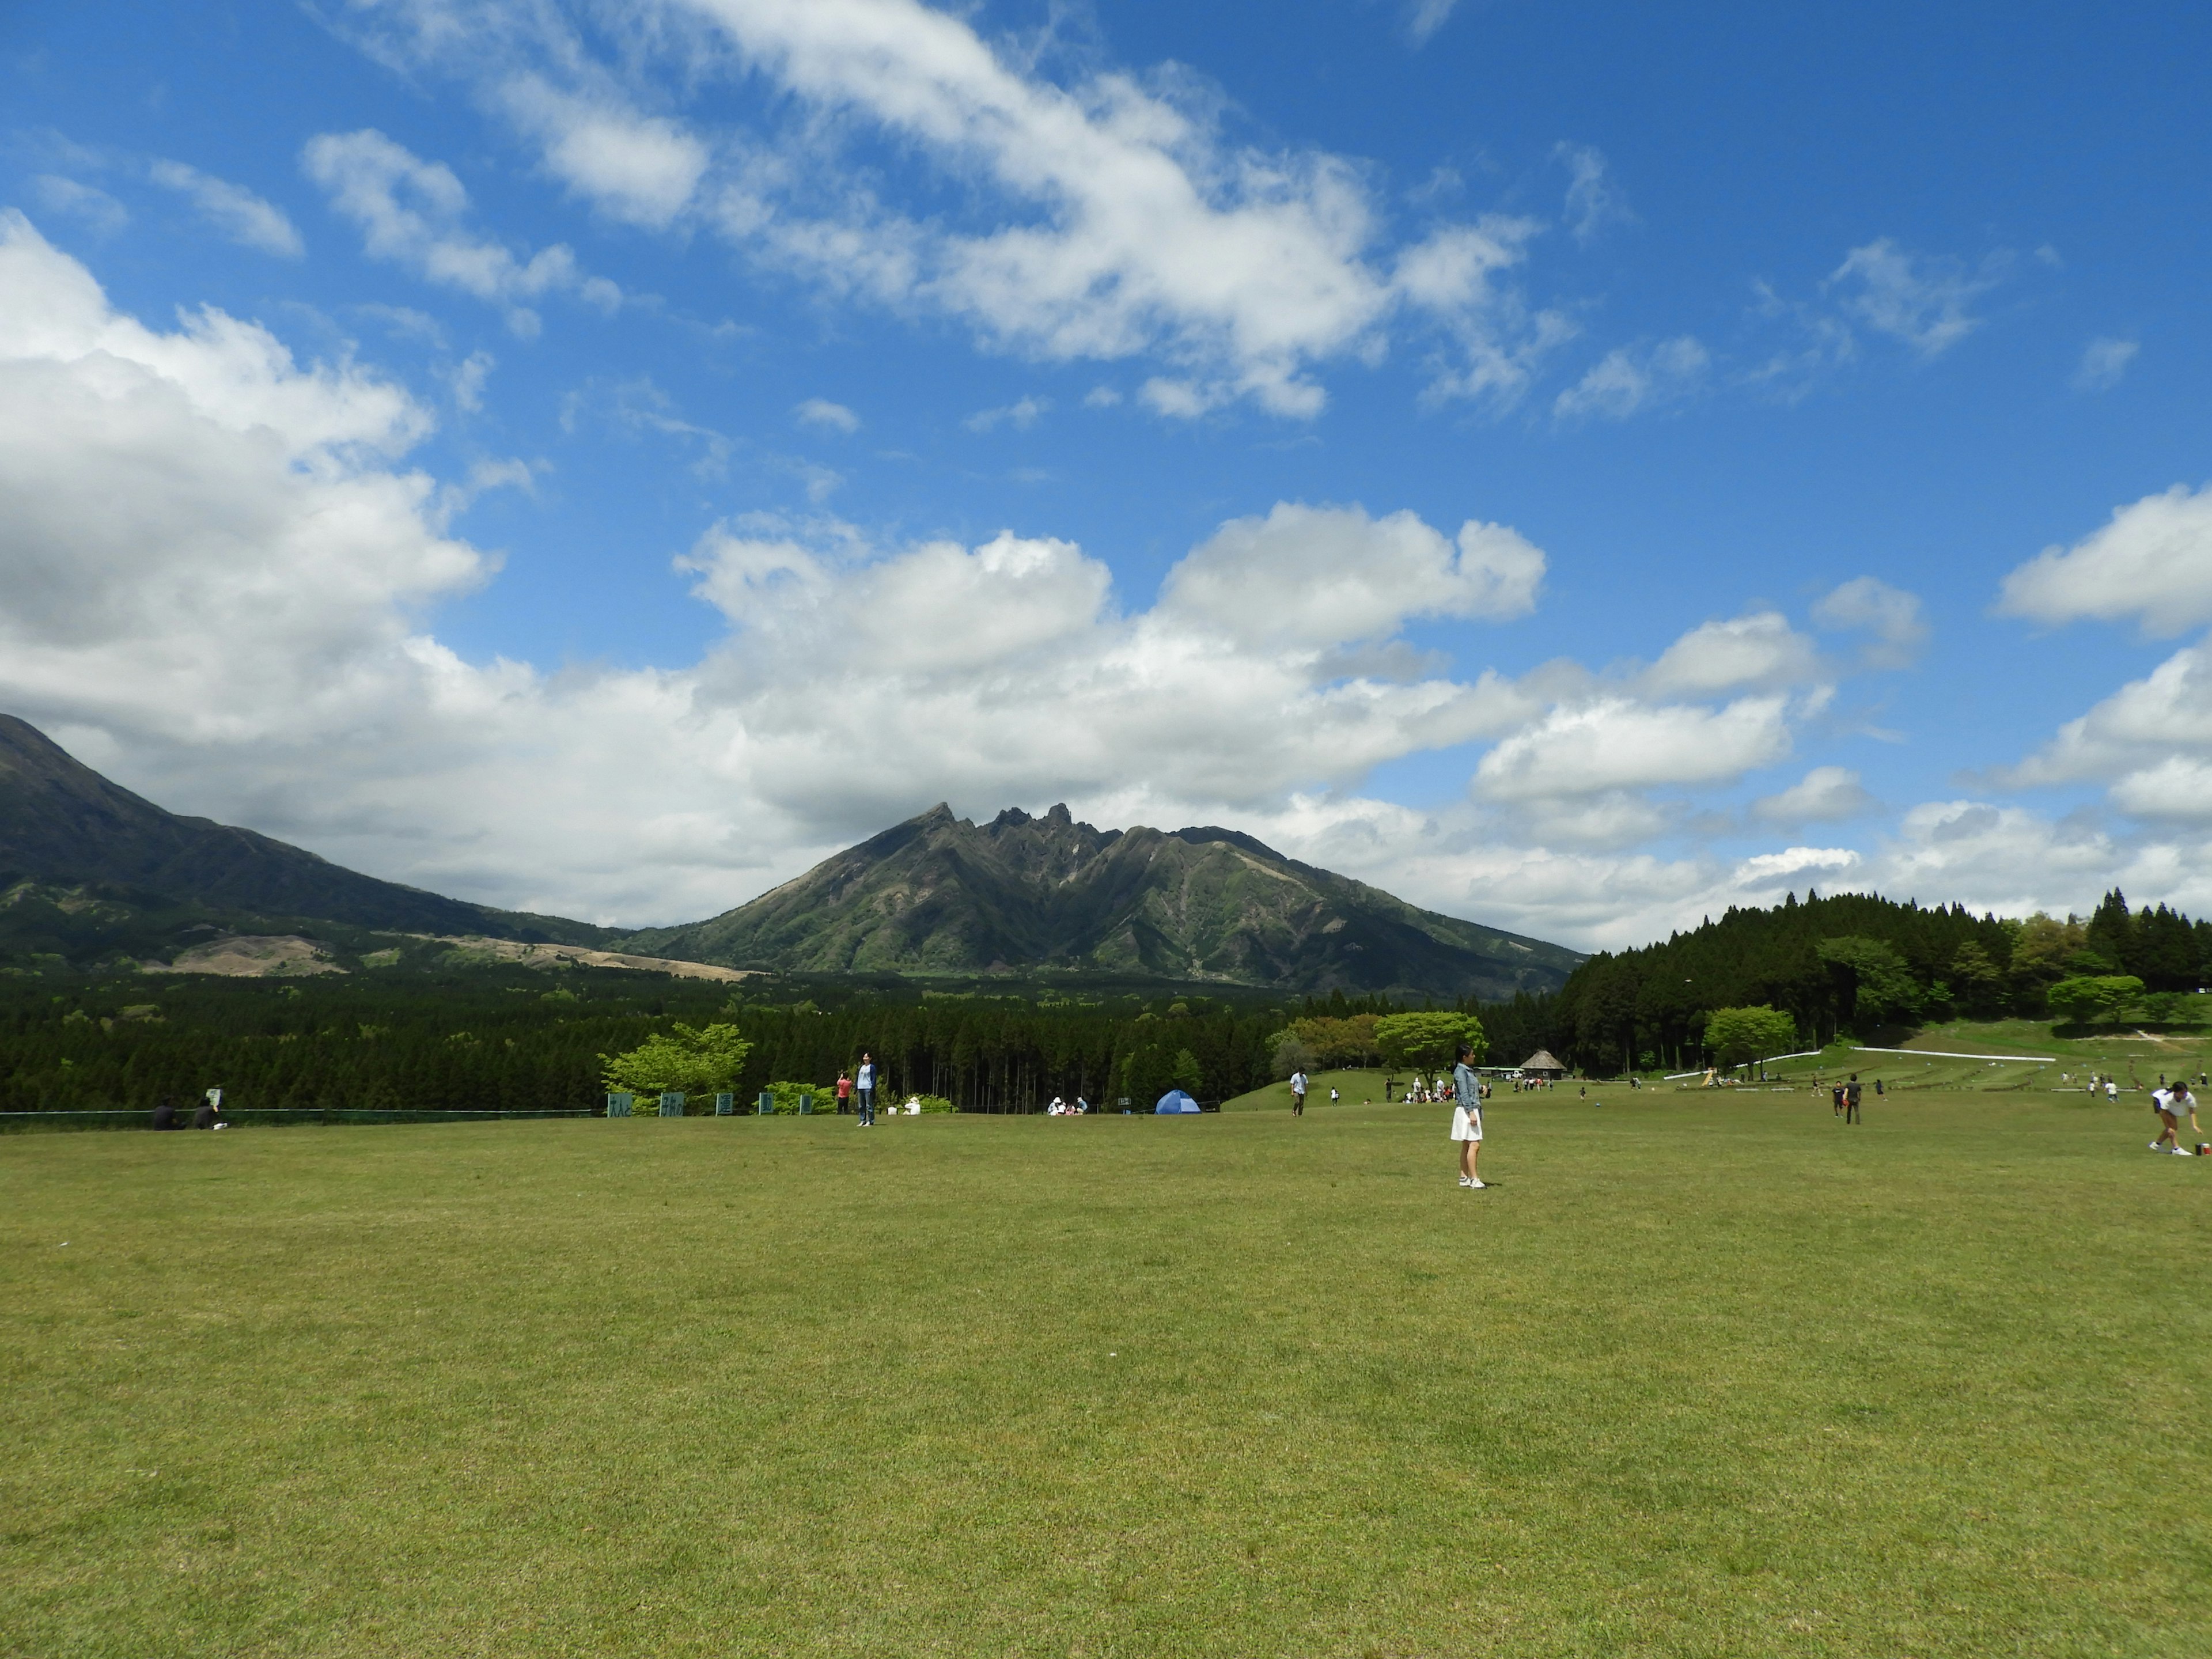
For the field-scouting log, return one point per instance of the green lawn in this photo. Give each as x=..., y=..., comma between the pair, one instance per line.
x=1697, y=1377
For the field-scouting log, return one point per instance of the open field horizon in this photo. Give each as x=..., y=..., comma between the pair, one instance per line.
x=1698, y=1376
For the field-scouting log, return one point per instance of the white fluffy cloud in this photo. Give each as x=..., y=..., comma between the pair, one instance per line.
x=245, y=218
x=2153, y=562
x=1109, y=218
x=214, y=559
x=2138, y=732
x=1614, y=744
x=1315, y=577
x=1761, y=650
x=638, y=169
x=411, y=212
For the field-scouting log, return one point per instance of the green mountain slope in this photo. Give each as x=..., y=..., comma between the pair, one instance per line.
x=938, y=894
x=63, y=822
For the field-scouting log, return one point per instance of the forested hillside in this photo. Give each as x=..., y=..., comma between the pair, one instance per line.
x=1857, y=962
x=497, y=1040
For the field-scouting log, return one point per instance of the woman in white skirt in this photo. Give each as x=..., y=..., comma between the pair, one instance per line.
x=1467, y=1115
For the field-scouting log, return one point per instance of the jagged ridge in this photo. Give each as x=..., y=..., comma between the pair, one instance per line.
x=938, y=894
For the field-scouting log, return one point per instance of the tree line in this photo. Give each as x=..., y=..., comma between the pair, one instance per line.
x=1858, y=962
x=518, y=1039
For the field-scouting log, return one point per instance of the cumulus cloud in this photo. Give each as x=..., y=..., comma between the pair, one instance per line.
x=2104, y=362
x=1617, y=743
x=1919, y=300
x=1889, y=615
x=640, y=168
x=820, y=411
x=1628, y=380
x=411, y=211
x=245, y=218
x=1761, y=651
x=2153, y=562
x=1109, y=218
x=2136, y=732
x=1824, y=795
x=218, y=559
x=1320, y=576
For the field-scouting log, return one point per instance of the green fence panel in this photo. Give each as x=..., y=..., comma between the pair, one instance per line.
x=725, y=1105
x=619, y=1104
x=672, y=1104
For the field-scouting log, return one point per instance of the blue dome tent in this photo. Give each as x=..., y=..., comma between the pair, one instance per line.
x=1174, y=1101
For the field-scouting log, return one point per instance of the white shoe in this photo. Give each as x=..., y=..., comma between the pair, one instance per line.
x=2154, y=1146
x=1477, y=1184
x=1464, y=1181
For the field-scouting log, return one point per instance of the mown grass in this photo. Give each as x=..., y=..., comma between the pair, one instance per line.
x=1696, y=1377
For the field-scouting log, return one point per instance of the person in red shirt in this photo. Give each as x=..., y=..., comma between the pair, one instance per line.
x=844, y=1094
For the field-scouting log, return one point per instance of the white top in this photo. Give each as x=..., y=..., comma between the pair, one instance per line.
x=1297, y=1083
x=867, y=1078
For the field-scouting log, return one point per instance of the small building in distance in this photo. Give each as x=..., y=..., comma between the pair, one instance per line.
x=1541, y=1064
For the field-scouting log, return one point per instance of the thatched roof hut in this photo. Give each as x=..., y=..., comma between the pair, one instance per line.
x=1541, y=1064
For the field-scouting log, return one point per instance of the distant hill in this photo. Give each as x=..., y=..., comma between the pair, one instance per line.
x=940, y=895
x=63, y=824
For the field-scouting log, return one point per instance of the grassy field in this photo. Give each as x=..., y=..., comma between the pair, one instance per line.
x=1696, y=1377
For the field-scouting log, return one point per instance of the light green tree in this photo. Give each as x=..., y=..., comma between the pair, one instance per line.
x=1187, y=1076
x=1736, y=1035
x=1429, y=1039
x=1884, y=987
x=697, y=1062
x=2088, y=998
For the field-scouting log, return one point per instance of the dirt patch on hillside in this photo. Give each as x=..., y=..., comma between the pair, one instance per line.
x=251, y=956
x=548, y=956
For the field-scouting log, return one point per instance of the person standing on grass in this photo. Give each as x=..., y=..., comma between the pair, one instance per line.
x=868, y=1087
x=844, y=1092
x=1851, y=1099
x=1466, y=1116
x=1297, y=1094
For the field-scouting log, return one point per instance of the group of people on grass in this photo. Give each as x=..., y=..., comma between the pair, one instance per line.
x=864, y=1086
x=208, y=1116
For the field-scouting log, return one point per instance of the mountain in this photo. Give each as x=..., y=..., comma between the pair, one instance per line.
x=940, y=895
x=62, y=823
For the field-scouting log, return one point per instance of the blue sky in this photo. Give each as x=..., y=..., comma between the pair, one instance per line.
x=1577, y=466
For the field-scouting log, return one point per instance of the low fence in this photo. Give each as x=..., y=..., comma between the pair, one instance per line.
x=263, y=1117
